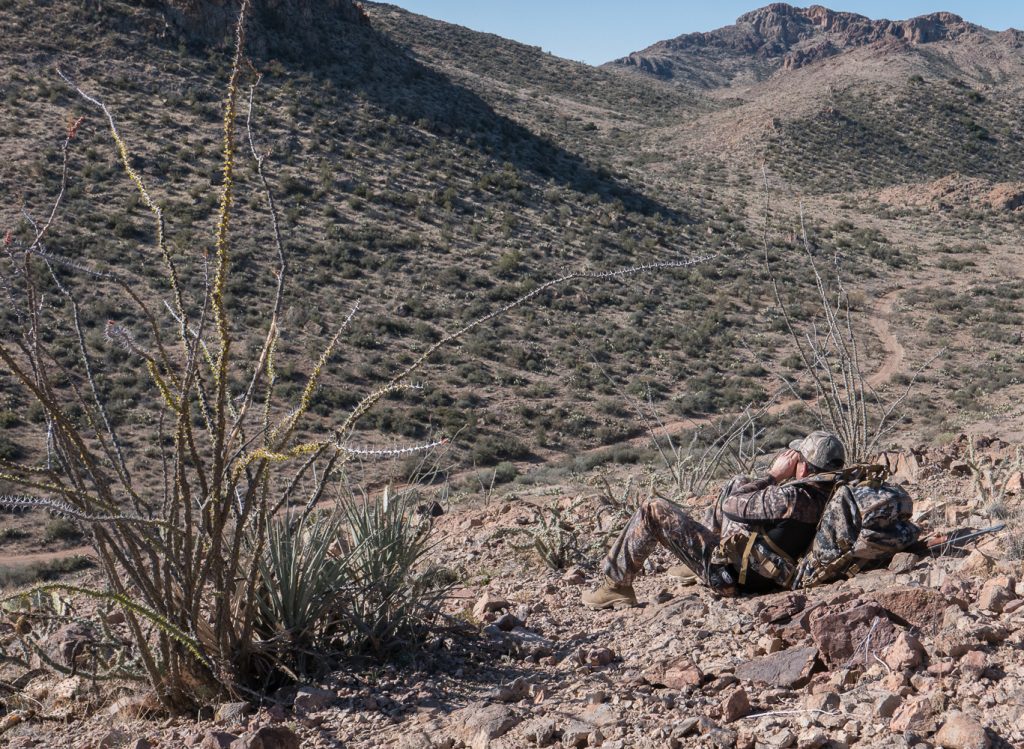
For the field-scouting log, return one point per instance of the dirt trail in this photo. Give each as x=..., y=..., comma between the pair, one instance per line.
x=878, y=319
x=20, y=560
x=895, y=353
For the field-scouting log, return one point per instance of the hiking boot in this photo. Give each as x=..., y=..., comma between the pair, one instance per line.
x=683, y=574
x=611, y=595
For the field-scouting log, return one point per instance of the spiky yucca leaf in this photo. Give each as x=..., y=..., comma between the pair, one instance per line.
x=391, y=596
x=300, y=579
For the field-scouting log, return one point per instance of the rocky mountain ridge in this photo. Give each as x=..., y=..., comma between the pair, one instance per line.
x=783, y=36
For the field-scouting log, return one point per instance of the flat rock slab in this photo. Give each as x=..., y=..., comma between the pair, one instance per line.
x=677, y=673
x=478, y=723
x=268, y=737
x=850, y=635
x=789, y=669
x=919, y=607
x=678, y=611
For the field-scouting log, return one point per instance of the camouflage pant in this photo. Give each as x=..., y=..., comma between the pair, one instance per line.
x=658, y=521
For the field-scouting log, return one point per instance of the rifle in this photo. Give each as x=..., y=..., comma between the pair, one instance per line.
x=955, y=540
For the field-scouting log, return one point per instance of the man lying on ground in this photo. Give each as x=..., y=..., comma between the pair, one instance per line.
x=759, y=527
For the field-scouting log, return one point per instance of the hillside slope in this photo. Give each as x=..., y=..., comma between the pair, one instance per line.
x=835, y=100
x=433, y=173
x=399, y=187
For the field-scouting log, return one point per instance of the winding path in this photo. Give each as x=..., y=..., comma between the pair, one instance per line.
x=41, y=557
x=895, y=353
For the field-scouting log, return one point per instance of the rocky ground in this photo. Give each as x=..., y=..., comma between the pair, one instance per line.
x=928, y=652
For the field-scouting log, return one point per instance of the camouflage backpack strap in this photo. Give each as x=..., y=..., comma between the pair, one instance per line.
x=752, y=550
x=871, y=474
x=767, y=559
x=745, y=557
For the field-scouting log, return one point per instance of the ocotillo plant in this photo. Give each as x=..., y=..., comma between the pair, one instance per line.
x=219, y=593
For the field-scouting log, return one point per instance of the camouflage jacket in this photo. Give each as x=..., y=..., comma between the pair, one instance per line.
x=785, y=517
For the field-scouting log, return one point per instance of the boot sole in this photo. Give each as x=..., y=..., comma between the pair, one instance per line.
x=682, y=574
x=610, y=605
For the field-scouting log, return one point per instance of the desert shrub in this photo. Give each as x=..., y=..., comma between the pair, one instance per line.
x=552, y=535
x=61, y=529
x=590, y=460
x=992, y=479
x=505, y=472
x=9, y=449
x=491, y=449
x=9, y=419
x=12, y=534
x=955, y=264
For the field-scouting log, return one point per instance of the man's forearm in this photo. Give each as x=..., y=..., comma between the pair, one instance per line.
x=761, y=502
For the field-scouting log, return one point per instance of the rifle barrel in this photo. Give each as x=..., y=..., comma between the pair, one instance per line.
x=953, y=540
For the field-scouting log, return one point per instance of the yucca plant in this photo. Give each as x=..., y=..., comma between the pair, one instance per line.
x=302, y=578
x=392, y=593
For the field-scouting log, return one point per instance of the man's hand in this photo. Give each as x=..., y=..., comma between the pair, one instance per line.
x=785, y=465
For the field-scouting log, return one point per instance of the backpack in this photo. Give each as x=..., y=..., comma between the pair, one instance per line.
x=748, y=547
x=865, y=522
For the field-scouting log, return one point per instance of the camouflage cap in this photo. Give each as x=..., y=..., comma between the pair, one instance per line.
x=822, y=450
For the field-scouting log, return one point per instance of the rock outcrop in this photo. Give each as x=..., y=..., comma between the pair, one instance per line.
x=781, y=35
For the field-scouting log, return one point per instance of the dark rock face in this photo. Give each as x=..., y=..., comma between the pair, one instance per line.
x=276, y=27
x=793, y=37
x=921, y=608
x=800, y=57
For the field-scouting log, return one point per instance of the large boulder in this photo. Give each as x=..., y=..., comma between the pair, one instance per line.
x=906, y=652
x=478, y=724
x=996, y=593
x=852, y=635
x=916, y=606
x=962, y=732
x=675, y=673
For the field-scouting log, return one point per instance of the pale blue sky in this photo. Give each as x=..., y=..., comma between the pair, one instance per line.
x=597, y=31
